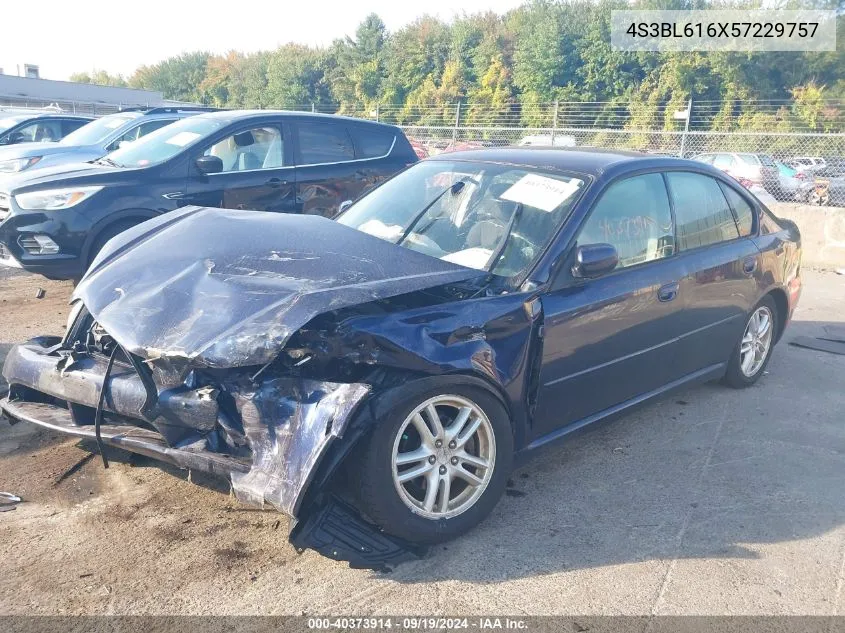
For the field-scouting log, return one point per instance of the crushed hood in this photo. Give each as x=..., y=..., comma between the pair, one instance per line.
x=224, y=288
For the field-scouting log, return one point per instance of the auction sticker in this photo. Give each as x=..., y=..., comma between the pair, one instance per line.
x=541, y=192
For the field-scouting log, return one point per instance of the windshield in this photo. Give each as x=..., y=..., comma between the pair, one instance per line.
x=491, y=217
x=96, y=131
x=157, y=147
x=10, y=122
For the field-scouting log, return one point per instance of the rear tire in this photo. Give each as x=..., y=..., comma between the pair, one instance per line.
x=754, y=348
x=440, y=503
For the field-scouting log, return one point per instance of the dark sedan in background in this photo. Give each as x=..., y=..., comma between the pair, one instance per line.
x=53, y=221
x=376, y=376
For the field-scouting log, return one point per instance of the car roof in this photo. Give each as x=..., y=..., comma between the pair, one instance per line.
x=26, y=116
x=584, y=160
x=243, y=115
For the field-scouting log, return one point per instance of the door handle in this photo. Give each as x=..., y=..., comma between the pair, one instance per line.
x=749, y=265
x=276, y=182
x=668, y=292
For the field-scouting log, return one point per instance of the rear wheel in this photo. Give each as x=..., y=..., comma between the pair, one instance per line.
x=754, y=349
x=438, y=466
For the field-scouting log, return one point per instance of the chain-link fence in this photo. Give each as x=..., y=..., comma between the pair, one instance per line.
x=784, y=129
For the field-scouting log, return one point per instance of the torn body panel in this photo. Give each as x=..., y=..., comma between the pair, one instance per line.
x=287, y=424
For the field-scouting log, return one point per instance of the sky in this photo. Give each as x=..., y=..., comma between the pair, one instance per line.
x=67, y=37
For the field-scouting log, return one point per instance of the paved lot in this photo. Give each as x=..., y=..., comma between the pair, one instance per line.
x=712, y=501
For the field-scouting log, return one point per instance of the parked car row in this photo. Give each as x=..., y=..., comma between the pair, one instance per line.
x=55, y=219
x=376, y=375
x=93, y=139
x=26, y=126
x=814, y=180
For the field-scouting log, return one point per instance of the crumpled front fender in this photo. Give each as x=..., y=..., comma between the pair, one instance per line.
x=289, y=424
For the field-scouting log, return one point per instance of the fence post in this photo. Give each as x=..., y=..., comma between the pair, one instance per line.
x=686, y=128
x=457, y=122
x=554, y=123
x=313, y=107
x=377, y=114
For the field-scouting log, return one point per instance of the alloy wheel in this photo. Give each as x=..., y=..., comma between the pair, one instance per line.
x=443, y=457
x=756, y=341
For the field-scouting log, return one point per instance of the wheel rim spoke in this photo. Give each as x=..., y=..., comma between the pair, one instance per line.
x=434, y=420
x=426, y=436
x=411, y=457
x=473, y=460
x=445, y=493
x=413, y=473
x=431, y=490
x=472, y=480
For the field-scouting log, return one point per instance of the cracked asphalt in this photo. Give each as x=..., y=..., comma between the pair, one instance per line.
x=710, y=501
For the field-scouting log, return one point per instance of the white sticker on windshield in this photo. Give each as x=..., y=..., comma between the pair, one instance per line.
x=182, y=139
x=541, y=192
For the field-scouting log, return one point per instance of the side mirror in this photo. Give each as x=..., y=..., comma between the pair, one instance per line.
x=594, y=260
x=209, y=164
x=16, y=137
x=344, y=206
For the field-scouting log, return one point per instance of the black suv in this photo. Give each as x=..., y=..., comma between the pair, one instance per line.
x=54, y=220
x=28, y=127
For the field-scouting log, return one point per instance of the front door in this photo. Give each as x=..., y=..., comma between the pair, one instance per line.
x=255, y=175
x=613, y=338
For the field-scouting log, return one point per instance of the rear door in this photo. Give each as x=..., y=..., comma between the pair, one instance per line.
x=611, y=339
x=327, y=172
x=719, y=264
x=257, y=171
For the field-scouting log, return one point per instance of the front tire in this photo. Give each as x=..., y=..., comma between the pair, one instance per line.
x=754, y=349
x=438, y=465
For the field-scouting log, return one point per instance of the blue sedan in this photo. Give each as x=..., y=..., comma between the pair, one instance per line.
x=376, y=376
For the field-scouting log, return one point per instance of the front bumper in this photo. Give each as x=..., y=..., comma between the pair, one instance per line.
x=292, y=431
x=268, y=441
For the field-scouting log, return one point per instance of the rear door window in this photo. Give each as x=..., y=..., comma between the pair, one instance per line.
x=71, y=125
x=372, y=142
x=323, y=143
x=702, y=214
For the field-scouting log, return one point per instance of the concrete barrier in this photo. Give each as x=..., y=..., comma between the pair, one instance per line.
x=822, y=233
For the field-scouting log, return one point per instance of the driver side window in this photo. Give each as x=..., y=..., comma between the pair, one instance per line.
x=632, y=215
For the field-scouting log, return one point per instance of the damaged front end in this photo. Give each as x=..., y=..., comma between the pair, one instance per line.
x=247, y=355
x=266, y=434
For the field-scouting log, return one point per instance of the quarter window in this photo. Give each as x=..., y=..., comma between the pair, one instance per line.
x=634, y=216
x=702, y=213
x=372, y=143
x=743, y=210
x=323, y=143
x=258, y=148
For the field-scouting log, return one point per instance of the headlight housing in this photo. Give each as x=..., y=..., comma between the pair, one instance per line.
x=54, y=199
x=18, y=164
